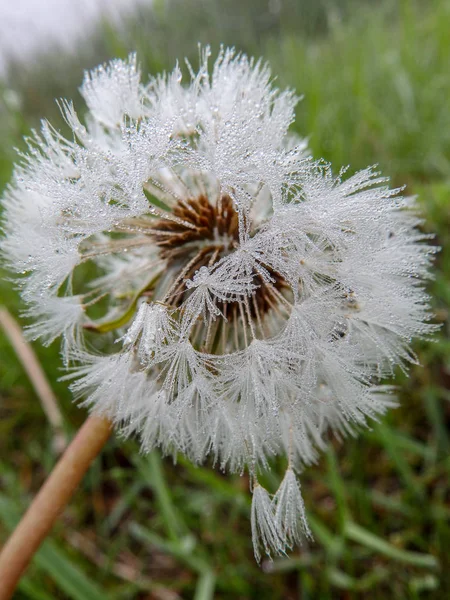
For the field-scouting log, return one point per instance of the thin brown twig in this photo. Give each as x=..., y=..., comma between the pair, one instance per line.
x=30, y=363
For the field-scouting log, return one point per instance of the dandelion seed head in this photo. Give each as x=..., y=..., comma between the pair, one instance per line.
x=243, y=299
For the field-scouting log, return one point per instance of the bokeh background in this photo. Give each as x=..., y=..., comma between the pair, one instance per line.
x=375, y=81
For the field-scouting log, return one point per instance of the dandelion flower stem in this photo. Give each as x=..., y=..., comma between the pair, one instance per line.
x=50, y=502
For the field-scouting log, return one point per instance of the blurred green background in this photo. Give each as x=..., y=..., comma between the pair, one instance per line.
x=376, y=83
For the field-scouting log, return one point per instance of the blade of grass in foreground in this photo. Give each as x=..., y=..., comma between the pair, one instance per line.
x=344, y=581
x=33, y=591
x=53, y=561
x=205, y=586
x=358, y=534
x=151, y=470
x=183, y=550
x=387, y=438
x=69, y=578
x=337, y=485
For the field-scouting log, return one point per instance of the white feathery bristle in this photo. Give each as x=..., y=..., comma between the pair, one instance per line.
x=290, y=517
x=265, y=533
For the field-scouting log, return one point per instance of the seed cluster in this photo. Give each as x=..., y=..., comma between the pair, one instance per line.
x=202, y=235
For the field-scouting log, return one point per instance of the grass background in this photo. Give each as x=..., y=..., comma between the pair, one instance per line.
x=376, y=84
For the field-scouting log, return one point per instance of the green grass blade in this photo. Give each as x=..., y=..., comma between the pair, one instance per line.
x=219, y=485
x=337, y=484
x=151, y=470
x=205, y=586
x=390, y=443
x=333, y=545
x=344, y=581
x=33, y=591
x=55, y=562
x=358, y=534
x=182, y=549
x=69, y=578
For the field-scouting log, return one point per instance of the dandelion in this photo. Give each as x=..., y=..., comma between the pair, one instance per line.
x=218, y=292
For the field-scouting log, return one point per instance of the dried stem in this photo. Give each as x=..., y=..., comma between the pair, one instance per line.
x=30, y=363
x=50, y=502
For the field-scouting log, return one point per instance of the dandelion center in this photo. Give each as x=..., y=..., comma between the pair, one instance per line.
x=204, y=235
x=193, y=241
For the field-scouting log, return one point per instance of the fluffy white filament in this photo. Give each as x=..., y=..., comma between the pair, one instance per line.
x=217, y=291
